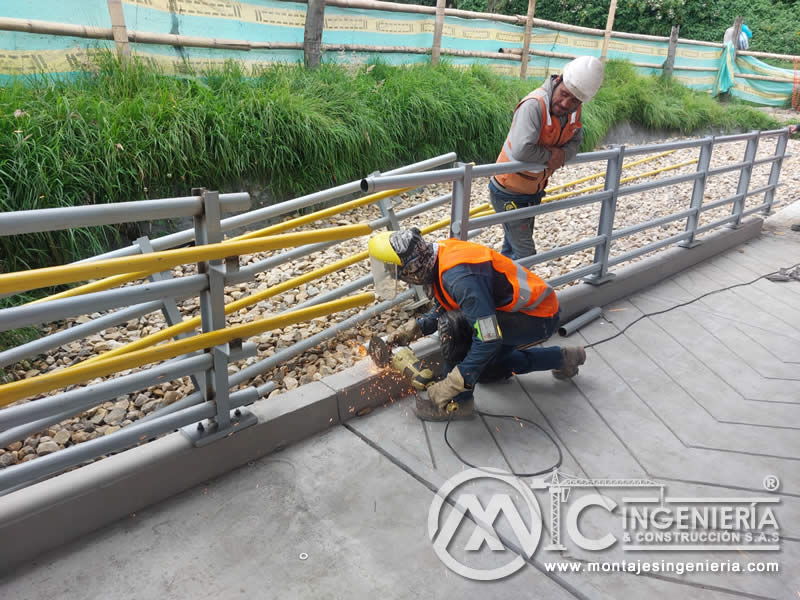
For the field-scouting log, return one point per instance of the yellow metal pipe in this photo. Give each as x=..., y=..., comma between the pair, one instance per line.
x=193, y=323
x=160, y=261
x=109, y=282
x=320, y=214
x=11, y=392
x=596, y=175
x=599, y=186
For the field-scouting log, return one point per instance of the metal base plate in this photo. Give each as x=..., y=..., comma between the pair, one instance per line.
x=599, y=280
x=206, y=431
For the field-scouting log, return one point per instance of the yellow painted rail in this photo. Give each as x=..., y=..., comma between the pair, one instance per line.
x=159, y=261
x=11, y=392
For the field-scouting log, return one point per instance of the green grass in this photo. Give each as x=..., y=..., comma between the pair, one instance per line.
x=117, y=134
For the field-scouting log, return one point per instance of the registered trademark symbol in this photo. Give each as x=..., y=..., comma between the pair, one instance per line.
x=771, y=483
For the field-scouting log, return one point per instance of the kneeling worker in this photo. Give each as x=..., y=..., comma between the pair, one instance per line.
x=487, y=308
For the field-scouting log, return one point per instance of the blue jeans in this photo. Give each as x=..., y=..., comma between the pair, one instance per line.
x=519, y=329
x=518, y=239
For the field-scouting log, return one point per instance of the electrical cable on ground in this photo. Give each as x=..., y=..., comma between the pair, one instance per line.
x=608, y=339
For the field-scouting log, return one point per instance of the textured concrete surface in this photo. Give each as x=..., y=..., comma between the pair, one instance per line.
x=702, y=401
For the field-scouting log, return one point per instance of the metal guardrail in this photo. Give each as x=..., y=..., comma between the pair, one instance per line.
x=212, y=400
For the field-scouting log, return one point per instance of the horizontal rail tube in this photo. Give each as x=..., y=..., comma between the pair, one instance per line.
x=721, y=202
x=11, y=392
x=54, y=219
x=135, y=433
x=236, y=399
x=626, y=231
x=761, y=190
x=540, y=257
x=727, y=168
x=160, y=261
x=531, y=211
x=42, y=345
x=54, y=310
x=275, y=210
x=574, y=275
x=649, y=248
x=390, y=182
x=716, y=224
x=20, y=425
x=662, y=147
x=755, y=209
x=76, y=401
x=651, y=185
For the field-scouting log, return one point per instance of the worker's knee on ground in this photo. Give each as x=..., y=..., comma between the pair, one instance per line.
x=455, y=336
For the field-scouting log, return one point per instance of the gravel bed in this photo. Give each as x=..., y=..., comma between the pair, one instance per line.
x=553, y=229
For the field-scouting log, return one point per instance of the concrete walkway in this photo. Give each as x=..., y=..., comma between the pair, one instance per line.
x=702, y=401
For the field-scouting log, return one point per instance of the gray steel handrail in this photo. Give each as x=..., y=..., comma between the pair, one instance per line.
x=189, y=409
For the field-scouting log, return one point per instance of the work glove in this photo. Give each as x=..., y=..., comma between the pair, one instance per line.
x=556, y=158
x=407, y=333
x=448, y=388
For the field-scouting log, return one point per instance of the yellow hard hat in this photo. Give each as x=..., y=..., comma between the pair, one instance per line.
x=381, y=248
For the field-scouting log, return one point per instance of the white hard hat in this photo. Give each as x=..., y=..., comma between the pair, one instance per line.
x=583, y=77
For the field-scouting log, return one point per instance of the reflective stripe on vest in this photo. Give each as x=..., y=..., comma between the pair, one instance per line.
x=550, y=134
x=531, y=295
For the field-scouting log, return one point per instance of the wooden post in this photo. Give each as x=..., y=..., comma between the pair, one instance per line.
x=312, y=39
x=526, y=40
x=609, y=26
x=737, y=29
x=669, y=64
x=119, y=30
x=438, y=27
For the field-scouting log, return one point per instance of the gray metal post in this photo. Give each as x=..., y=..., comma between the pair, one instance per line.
x=744, y=179
x=605, y=226
x=775, y=171
x=462, y=192
x=698, y=191
x=212, y=305
x=169, y=308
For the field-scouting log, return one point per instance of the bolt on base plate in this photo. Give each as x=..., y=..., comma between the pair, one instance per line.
x=207, y=431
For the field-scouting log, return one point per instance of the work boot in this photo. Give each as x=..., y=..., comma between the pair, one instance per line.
x=574, y=356
x=426, y=410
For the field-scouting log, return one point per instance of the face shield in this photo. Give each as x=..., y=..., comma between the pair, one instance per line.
x=385, y=276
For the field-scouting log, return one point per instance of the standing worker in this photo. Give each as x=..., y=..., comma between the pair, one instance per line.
x=486, y=309
x=545, y=129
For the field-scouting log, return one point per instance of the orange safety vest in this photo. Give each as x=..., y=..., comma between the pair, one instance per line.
x=550, y=134
x=532, y=295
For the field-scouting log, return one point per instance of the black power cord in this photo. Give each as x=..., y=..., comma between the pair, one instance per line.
x=603, y=341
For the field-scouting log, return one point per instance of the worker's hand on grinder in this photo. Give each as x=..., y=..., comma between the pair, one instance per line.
x=407, y=333
x=448, y=388
x=556, y=158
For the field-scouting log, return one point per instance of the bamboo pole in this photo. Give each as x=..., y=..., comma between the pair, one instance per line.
x=612, y=9
x=518, y=52
x=786, y=57
x=425, y=10
x=764, y=78
x=119, y=30
x=526, y=39
x=438, y=28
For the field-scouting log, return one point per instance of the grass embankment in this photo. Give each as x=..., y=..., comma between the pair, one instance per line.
x=129, y=134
